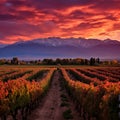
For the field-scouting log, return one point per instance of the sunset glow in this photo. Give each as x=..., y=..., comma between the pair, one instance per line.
x=30, y=19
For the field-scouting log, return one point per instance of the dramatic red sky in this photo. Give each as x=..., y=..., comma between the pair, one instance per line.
x=29, y=19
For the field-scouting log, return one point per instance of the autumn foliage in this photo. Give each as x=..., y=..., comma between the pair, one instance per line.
x=21, y=95
x=93, y=101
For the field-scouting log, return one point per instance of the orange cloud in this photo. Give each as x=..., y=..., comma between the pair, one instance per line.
x=25, y=20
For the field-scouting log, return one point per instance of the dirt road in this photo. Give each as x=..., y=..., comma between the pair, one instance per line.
x=50, y=107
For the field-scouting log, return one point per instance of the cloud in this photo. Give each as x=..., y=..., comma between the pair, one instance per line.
x=59, y=4
x=116, y=26
x=7, y=17
x=24, y=29
x=88, y=25
x=26, y=19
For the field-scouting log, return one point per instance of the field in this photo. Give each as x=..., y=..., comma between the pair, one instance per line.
x=59, y=93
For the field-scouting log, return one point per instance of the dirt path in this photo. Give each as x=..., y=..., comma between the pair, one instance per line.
x=50, y=107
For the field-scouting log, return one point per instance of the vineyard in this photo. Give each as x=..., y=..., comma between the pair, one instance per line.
x=94, y=91
x=21, y=90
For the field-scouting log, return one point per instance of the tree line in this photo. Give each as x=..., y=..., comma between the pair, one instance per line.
x=58, y=61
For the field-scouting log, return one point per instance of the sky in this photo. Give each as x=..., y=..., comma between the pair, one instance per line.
x=31, y=19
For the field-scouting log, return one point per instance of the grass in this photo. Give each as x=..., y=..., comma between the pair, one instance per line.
x=67, y=114
x=64, y=98
x=64, y=104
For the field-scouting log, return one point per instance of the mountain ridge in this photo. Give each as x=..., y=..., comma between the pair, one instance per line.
x=56, y=41
x=62, y=48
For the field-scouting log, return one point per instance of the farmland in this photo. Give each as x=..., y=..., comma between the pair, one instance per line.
x=59, y=92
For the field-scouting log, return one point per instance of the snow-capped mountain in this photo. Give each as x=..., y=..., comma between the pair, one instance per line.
x=56, y=41
x=68, y=41
x=62, y=48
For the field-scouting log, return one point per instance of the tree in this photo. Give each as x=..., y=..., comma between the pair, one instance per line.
x=92, y=61
x=114, y=62
x=15, y=61
x=48, y=62
x=98, y=60
x=86, y=62
x=2, y=61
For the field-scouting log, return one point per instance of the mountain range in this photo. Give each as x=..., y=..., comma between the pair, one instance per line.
x=62, y=48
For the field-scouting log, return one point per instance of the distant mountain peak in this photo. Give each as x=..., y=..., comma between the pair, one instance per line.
x=76, y=42
x=109, y=41
x=19, y=42
x=62, y=48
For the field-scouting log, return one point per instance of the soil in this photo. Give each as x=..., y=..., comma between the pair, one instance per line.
x=50, y=107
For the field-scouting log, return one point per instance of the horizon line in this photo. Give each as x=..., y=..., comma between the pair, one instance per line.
x=58, y=38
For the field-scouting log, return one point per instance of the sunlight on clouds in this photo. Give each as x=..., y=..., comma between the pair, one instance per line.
x=34, y=19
